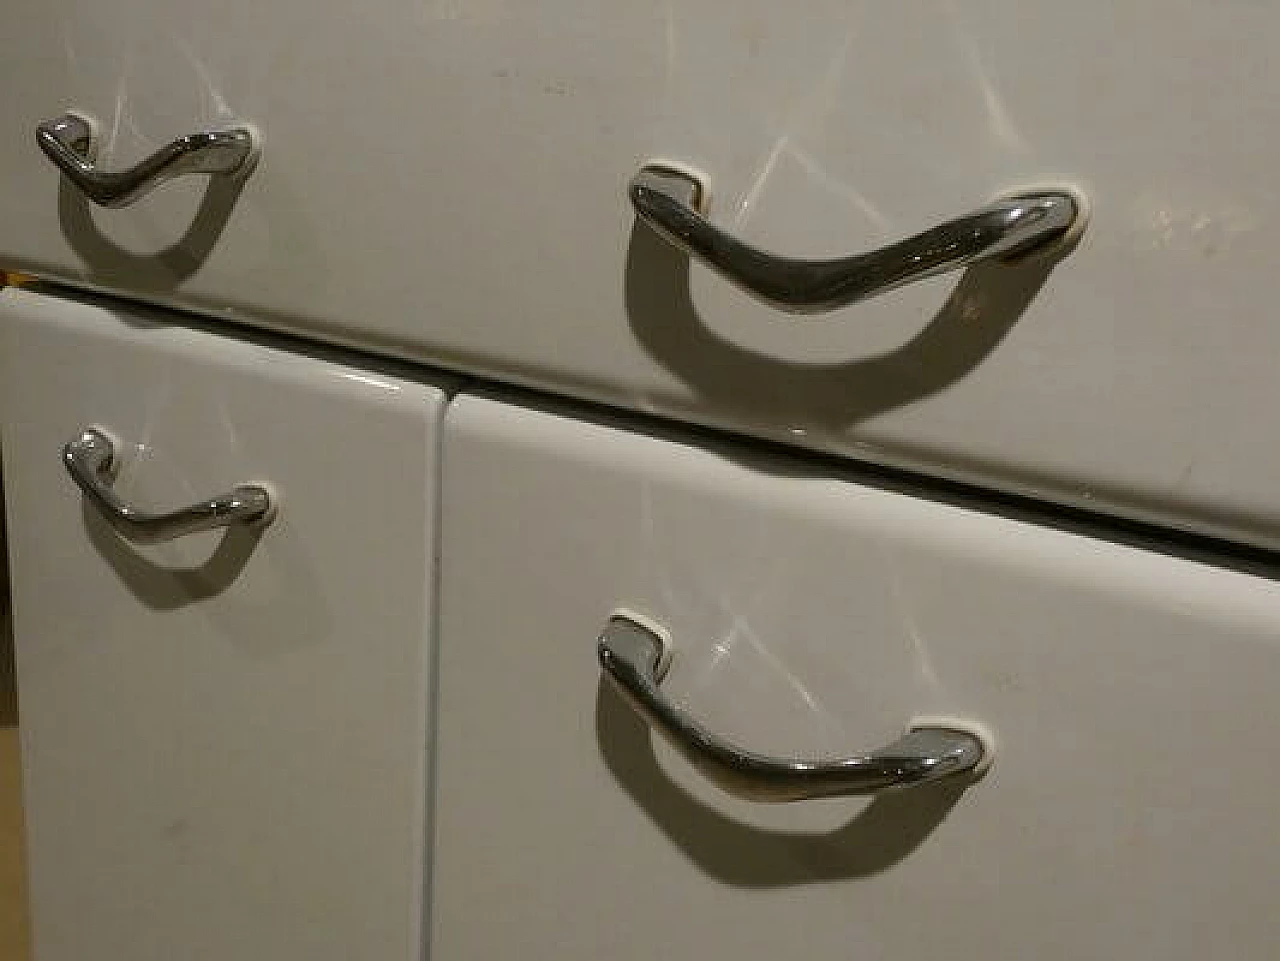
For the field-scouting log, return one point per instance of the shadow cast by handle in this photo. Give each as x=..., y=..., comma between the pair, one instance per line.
x=164, y=269
x=985, y=304
x=887, y=830
x=162, y=588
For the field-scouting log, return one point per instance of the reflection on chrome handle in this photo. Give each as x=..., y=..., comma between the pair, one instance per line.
x=632, y=657
x=70, y=141
x=88, y=461
x=669, y=200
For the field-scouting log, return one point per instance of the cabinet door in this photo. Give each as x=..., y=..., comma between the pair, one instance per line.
x=1130, y=696
x=223, y=735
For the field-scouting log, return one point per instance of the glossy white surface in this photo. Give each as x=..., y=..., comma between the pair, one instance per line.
x=444, y=179
x=223, y=737
x=1128, y=813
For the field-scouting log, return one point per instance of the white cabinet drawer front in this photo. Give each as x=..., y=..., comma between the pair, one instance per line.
x=1131, y=697
x=224, y=735
x=447, y=181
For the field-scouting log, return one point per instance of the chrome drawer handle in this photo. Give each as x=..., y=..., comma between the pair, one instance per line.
x=632, y=657
x=669, y=200
x=71, y=142
x=88, y=461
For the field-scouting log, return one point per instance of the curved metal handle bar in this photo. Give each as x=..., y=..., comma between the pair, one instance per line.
x=668, y=201
x=632, y=658
x=88, y=461
x=71, y=142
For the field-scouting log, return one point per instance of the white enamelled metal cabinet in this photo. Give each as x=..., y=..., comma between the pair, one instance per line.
x=324, y=655
x=224, y=733
x=448, y=180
